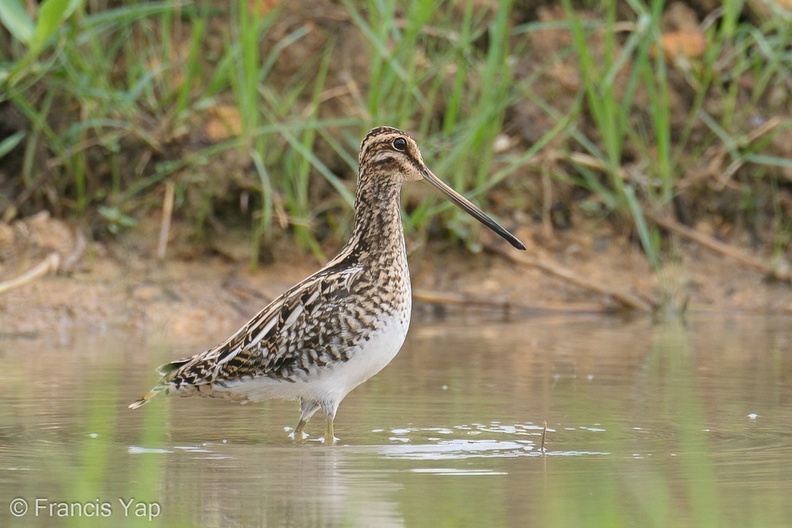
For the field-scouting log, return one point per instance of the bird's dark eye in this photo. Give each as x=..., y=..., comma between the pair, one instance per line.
x=400, y=144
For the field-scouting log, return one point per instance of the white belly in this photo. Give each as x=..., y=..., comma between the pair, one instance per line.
x=333, y=381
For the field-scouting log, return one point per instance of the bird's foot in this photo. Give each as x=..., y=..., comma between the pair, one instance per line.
x=298, y=435
x=329, y=438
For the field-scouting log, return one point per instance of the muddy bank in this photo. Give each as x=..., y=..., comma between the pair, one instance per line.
x=213, y=290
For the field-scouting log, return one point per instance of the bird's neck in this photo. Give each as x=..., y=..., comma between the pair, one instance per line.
x=377, y=234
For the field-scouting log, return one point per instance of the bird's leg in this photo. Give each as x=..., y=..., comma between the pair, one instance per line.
x=298, y=433
x=329, y=414
x=307, y=409
x=329, y=438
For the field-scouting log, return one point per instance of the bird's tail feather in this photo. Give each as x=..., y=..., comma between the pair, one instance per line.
x=142, y=401
x=167, y=368
x=166, y=371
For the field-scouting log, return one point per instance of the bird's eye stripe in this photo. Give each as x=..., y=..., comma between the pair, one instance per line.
x=400, y=144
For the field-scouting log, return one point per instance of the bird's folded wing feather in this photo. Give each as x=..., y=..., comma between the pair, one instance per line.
x=270, y=343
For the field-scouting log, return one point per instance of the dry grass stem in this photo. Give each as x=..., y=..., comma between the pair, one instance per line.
x=50, y=264
x=778, y=272
x=627, y=300
x=167, y=214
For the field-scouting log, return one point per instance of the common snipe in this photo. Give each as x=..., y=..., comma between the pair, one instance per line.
x=343, y=324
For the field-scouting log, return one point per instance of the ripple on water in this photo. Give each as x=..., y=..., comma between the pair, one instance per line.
x=493, y=440
x=458, y=472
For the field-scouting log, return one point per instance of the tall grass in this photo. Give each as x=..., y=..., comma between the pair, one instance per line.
x=610, y=83
x=625, y=66
x=427, y=77
x=115, y=100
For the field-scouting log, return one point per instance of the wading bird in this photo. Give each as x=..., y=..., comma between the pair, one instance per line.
x=343, y=324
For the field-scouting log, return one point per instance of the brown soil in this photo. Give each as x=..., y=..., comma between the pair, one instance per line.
x=209, y=284
x=122, y=283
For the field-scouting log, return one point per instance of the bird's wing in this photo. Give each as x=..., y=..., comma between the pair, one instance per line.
x=271, y=342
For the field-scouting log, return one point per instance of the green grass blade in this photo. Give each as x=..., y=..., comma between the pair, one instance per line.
x=51, y=15
x=648, y=241
x=9, y=143
x=16, y=20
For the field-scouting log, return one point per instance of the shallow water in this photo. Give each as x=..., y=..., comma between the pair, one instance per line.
x=646, y=426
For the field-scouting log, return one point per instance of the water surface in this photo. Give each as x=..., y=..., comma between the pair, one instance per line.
x=645, y=426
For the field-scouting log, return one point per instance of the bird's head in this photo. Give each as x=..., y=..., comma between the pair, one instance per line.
x=387, y=152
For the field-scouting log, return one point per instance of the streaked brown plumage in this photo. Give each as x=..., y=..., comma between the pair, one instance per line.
x=341, y=325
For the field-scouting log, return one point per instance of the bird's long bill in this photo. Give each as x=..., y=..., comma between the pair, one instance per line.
x=464, y=204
